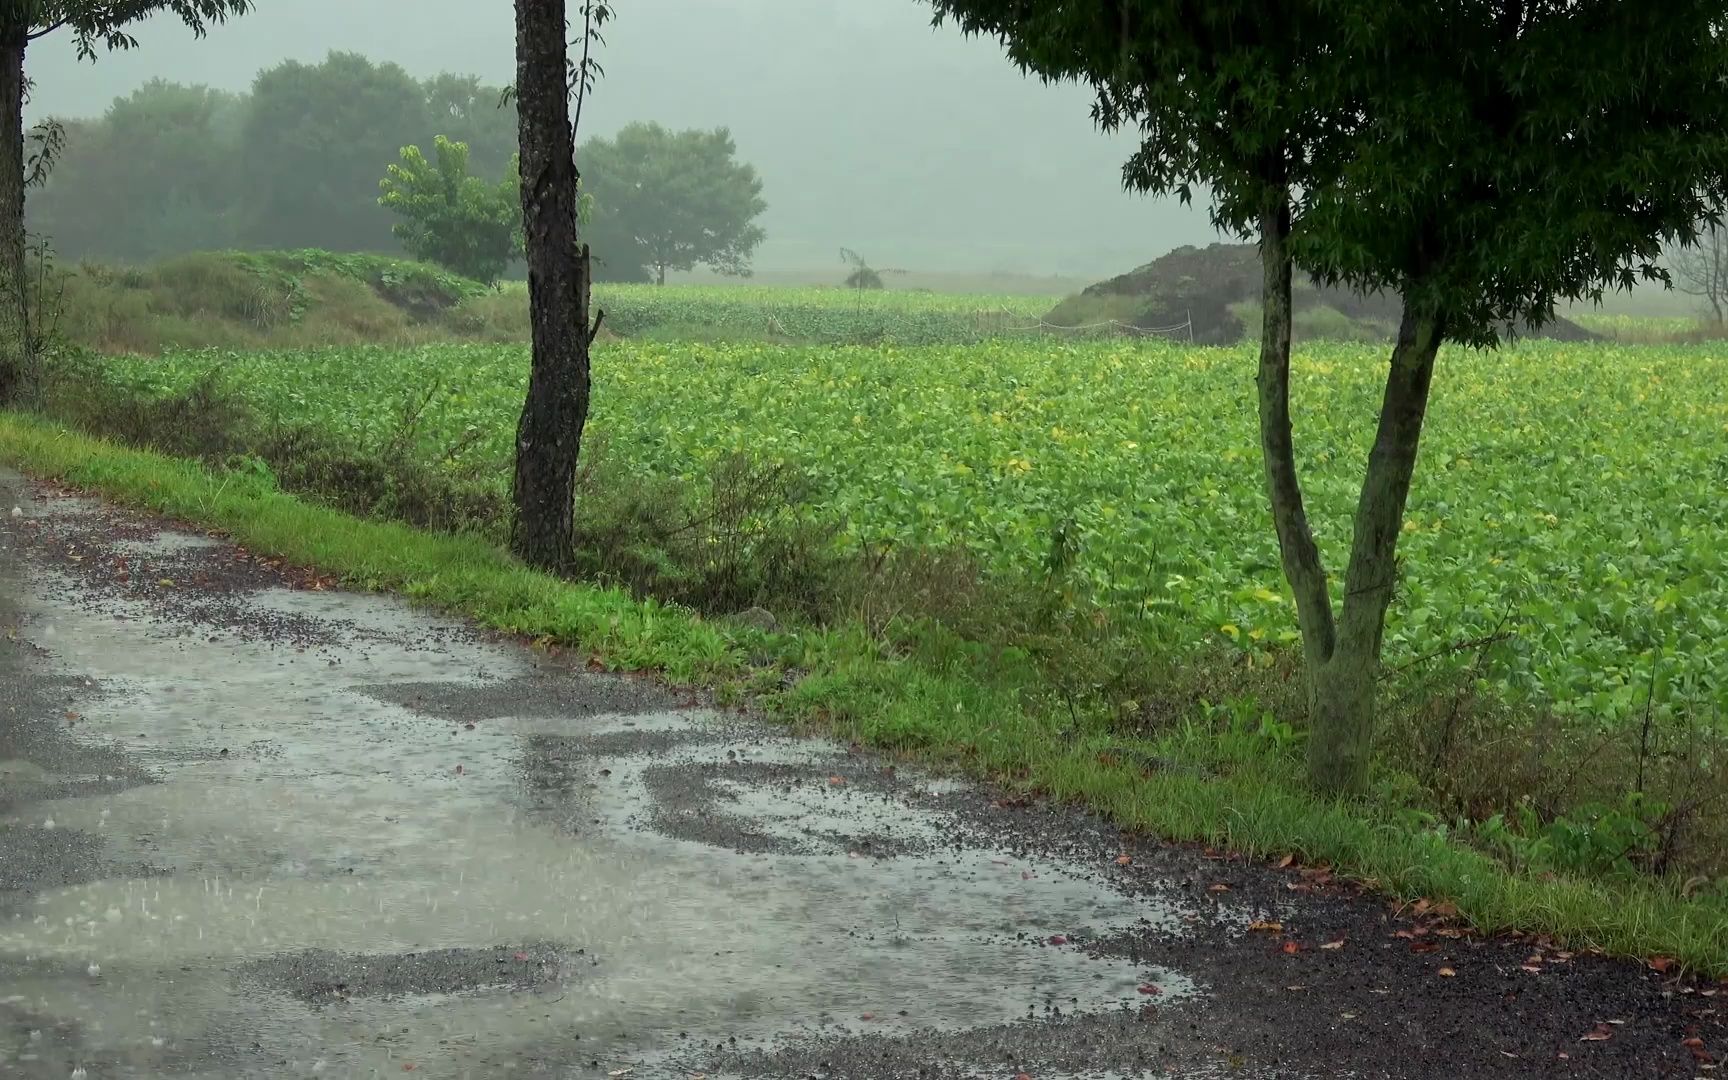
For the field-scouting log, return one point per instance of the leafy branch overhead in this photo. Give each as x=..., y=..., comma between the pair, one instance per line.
x=582, y=73
x=104, y=23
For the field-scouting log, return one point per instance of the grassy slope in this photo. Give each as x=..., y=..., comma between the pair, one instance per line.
x=936, y=705
x=297, y=299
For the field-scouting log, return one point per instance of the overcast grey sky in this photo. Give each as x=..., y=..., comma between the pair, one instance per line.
x=872, y=130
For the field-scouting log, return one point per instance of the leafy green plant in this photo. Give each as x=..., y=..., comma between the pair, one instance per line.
x=449, y=217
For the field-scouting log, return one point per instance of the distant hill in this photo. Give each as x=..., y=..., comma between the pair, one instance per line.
x=1218, y=288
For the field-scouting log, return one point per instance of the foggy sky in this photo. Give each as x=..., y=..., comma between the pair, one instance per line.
x=915, y=146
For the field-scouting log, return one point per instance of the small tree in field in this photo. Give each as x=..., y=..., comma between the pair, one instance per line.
x=458, y=221
x=1702, y=271
x=680, y=197
x=1482, y=161
x=92, y=24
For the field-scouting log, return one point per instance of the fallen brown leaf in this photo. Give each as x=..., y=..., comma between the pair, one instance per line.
x=1291, y=948
x=1123, y=860
x=1286, y=861
x=1446, y=973
x=1339, y=944
x=1220, y=887
x=1659, y=964
x=1266, y=926
x=1600, y=1033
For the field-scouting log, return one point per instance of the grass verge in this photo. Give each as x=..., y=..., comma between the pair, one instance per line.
x=939, y=700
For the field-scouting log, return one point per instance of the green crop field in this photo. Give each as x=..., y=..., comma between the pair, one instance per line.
x=817, y=314
x=1572, y=494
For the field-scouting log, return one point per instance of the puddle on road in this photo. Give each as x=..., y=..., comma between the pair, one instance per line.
x=299, y=816
x=166, y=544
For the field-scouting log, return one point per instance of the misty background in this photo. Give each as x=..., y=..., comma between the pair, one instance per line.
x=870, y=129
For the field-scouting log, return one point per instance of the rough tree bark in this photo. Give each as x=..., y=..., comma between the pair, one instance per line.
x=15, y=345
x=549, y=434
x=1344, y=686
x=1341, y=653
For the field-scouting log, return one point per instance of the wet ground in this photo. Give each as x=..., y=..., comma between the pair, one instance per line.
x=251, y=826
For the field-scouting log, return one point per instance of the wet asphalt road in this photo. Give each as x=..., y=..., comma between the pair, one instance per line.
x=250, y=827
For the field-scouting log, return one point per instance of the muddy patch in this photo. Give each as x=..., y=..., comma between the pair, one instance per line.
x=529, y=697
x=323, y=977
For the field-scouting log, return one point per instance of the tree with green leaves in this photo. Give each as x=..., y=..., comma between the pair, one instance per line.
x=682, y=199
x=555, y=410
x=1481, y=161
x=178, y=146
x=93, y=25
x=314, y=138
x=467, y=110
x=449, y=217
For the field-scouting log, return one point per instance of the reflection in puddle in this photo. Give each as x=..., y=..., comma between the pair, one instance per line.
x=715, y=887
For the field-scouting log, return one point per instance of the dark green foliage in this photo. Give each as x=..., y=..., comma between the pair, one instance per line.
x=271, y=168
x=107, y=23
x=316, y=138
x=666, y=200
x=296, y=164
x=1553, y=163
x=467, y=110
x=178, y=145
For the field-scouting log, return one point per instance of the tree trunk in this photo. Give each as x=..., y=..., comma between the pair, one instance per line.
x=16, y=361
x=549, y=434
x=1300, y=555
x=660, y=270
x=1343, y=687
x=1341, y=654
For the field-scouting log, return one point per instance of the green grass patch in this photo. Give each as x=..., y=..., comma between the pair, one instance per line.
x=300, y=299
x=929, y=694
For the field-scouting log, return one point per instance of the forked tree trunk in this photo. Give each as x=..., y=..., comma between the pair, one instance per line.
x=1341, y=654
x=549, y=434
x=15, y=344
x=1344, y=687
x=1296, y=547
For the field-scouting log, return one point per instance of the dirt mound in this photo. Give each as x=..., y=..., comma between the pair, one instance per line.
x=1217, y=288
